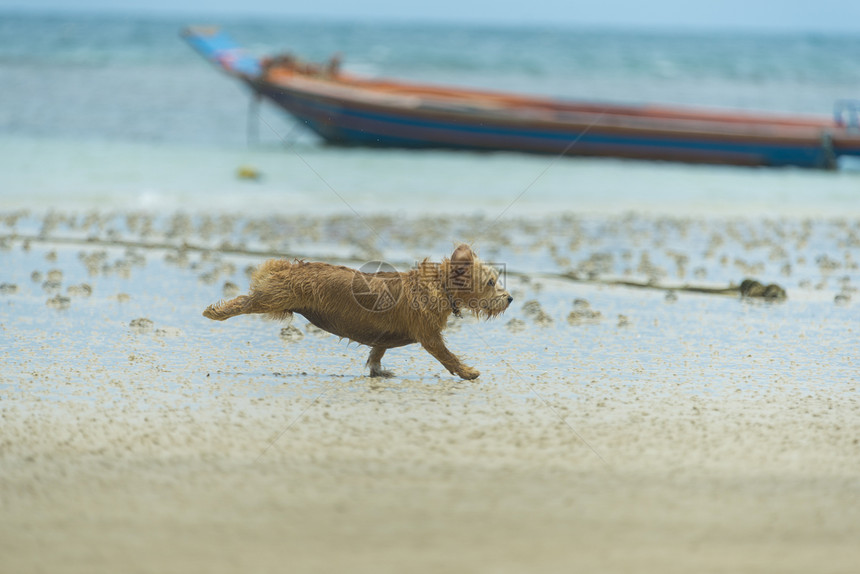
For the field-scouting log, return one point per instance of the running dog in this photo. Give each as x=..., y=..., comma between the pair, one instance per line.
x=382, y=310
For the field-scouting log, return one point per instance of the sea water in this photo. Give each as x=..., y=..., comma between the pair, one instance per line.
x=113, y=132
x=119, y=113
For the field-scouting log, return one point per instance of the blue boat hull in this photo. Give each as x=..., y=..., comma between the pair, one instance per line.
x=376, y=126
x=344, y=110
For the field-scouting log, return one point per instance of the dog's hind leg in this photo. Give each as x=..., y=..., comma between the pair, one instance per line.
x=374, y=361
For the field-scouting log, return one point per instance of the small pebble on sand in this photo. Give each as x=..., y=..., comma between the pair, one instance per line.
x=291, y=334
x=59, y=302
x=141, y=325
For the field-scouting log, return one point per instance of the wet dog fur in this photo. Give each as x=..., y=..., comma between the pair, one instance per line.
x=382, y=310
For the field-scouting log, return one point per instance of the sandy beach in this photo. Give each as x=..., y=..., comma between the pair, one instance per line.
x=613, y=429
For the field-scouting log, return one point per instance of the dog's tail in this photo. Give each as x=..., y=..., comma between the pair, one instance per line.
x=266, y=284
x=226, y=309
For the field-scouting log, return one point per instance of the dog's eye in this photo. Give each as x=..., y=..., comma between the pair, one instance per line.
x=491, y=282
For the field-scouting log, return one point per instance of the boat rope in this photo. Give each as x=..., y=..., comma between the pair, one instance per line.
x=324, y=180
x=549, y=166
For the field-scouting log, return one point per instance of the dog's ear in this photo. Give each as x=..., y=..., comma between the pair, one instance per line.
x=463, y=253
x=460, y=273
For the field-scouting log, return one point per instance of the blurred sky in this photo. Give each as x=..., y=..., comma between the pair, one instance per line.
x=765, y=15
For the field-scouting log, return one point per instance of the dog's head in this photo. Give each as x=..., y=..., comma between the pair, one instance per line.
x=474, y=286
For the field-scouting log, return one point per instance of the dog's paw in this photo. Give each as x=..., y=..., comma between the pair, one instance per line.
x=469, y=373
x=381, y=373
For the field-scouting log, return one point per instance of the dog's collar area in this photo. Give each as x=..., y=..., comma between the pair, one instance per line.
x=455, y=309
x=452, y=302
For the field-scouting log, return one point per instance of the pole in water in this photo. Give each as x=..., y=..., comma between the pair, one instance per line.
x=253, y=117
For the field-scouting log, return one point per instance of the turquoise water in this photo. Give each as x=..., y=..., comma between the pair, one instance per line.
x=110, y=112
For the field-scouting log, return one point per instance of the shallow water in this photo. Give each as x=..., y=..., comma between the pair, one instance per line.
x=118, y=113
x=88, y=174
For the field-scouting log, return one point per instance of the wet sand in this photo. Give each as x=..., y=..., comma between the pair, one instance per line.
x=612, y=428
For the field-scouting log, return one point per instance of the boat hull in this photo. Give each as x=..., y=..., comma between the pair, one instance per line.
x=349, y=111
x=351, y=123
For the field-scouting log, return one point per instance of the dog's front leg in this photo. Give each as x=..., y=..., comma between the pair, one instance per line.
x=436, y=347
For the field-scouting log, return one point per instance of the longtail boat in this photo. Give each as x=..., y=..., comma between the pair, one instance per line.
x=344, y=109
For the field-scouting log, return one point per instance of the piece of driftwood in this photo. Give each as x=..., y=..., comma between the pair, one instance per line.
x=748, y=288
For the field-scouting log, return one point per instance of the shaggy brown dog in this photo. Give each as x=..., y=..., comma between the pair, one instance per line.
x=381, y=310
